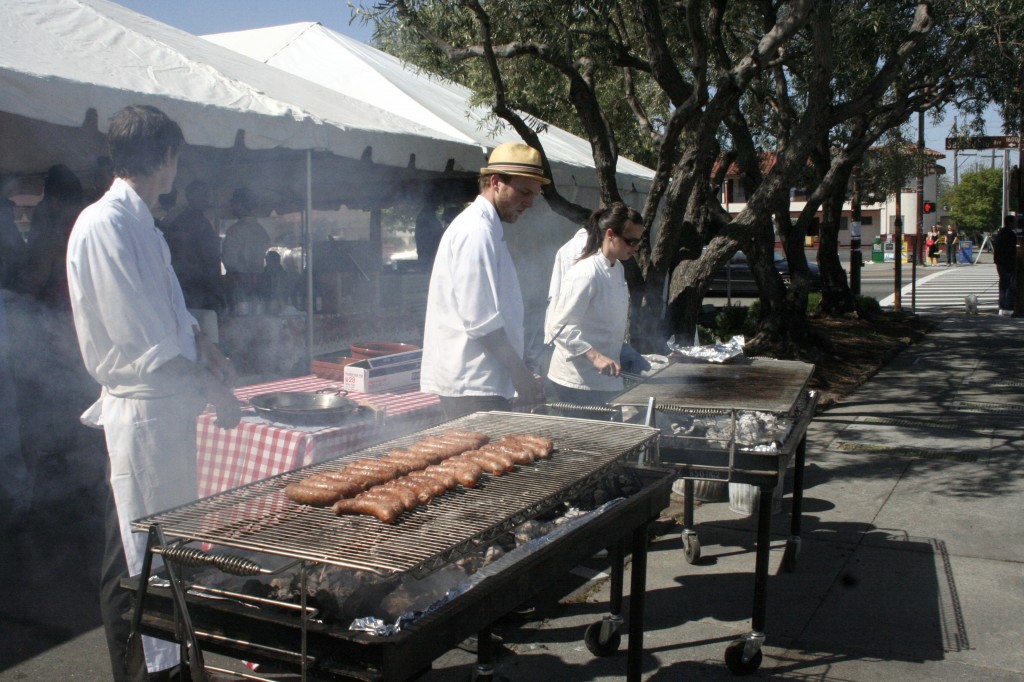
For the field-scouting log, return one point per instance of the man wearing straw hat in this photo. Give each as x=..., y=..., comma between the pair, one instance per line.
x=473, y=335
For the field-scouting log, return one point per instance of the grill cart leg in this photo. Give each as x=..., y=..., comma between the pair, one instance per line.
x=134, y=655
x=743, y=656
x=691, y=543
x=484, y=669
x=793, y=543
x=192, y=668
x=637, y=593
x=603, y=638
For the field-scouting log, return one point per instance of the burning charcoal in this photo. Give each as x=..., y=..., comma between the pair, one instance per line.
x=472, y=563
x=416, y=595
x=531, y=530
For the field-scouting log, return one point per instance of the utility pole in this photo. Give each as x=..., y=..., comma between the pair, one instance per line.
x=1018, y=294
x=920, y=213
x=855, y=254
x=897, y=298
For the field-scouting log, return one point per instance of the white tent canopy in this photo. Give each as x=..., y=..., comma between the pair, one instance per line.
x=318, y=54
x=61, y=58
x=357, y=70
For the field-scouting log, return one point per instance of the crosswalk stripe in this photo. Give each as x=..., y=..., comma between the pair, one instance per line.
x=950, y=287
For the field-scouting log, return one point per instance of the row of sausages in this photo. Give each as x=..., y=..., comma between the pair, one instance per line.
x=405, y=479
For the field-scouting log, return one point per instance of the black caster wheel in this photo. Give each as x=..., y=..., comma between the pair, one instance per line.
x=592, y=638
x=691, y=547
x=482, y=675
x=734, y=659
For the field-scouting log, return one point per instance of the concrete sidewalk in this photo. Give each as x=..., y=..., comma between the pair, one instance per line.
x=911, y=563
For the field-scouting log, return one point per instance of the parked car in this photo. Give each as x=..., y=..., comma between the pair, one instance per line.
x=736, y=279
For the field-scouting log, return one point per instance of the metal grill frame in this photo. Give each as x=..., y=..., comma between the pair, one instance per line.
x=429, y=537
x=330, y=651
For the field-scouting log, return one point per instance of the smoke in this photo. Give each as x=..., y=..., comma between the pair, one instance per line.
x=51, y=388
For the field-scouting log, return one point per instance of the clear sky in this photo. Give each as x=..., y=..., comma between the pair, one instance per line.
x=219, y=16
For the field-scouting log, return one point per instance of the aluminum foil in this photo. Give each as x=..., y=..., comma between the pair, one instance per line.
x=720, y=352
x=532, y=536
x=752, y=431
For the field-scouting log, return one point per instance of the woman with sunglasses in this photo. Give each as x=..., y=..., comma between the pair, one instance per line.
x=588, y=323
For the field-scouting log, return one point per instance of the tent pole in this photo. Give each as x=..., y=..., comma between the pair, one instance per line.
x=307, y=250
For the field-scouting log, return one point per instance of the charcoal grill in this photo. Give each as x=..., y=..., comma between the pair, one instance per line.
x=259, y=518
x=777, y=387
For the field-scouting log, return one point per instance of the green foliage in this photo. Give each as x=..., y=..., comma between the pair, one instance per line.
x=735, y=319
x=706, y=336
x=869, y=305
x=976, y=203
x=813, y=301
x=729, y=321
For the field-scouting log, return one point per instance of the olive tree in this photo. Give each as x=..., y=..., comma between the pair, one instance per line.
x=786, y=92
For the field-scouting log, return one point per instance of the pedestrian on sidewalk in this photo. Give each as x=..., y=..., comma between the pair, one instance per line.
x=932, y=245
x=1004, y=253
x=952, y=244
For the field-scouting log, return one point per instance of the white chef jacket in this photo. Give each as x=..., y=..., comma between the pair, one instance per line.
x=474, y=290
x=592, y=311
x=130, y=317
x=565, y=257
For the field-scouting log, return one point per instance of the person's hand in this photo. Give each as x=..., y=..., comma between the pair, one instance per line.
x=227, y=407
x=631, y=361
x=220, y=395
x=604, y=364
x=229, y=414
x=529, y=391
x=210, y=357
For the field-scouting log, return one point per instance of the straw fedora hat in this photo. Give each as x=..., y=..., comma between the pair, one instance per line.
x=516, y=158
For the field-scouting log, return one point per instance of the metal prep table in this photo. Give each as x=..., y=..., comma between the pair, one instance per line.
x=727, y=391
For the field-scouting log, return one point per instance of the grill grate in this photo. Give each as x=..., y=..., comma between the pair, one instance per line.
x=260, y=518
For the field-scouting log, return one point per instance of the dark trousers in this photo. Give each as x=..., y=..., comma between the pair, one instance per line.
x=579, y=396
x=115, y=601
x=459, y=406
x=1007, y=290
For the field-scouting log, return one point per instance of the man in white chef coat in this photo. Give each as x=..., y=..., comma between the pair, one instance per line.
x=156, y=370
x=473, y=334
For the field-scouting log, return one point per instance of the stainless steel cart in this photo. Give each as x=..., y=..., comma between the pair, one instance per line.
x=729, y=392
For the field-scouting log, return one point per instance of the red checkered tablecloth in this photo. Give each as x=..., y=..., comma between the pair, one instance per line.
x=257, y=448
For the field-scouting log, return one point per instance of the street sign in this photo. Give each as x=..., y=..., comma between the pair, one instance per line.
x=984, y=142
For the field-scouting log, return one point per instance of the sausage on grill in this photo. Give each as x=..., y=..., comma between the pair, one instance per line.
x=520, y=454
x=421, y=489
x=467, y=473
x=343, y=487
x=488, y=461
x=475, y=437
x=317, y=497
x=432, y=483
x=385, y=510
x=542, y=447
x=404, y=496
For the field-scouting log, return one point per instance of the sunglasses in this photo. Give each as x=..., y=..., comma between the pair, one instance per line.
x=631, y=242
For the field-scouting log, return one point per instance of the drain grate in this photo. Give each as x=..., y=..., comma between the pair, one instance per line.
x=925, y=424
x=897, y=451
x=992, y=408
x=1007, y=382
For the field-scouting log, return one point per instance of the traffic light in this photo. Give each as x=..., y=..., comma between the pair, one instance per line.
x=928, y=206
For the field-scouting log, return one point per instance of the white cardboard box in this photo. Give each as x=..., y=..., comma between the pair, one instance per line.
x=386, y=373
